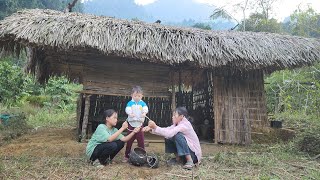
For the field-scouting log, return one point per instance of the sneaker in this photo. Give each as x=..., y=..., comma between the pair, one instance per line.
x=125, y=160
x=109, y=161
x=188, y=165
x=172, y=162
x=97, y=164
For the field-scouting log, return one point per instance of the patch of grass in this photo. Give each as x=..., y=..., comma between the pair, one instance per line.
x=27, y=108
x=42, y=116
x=260, y=162
x=313, y=174
x=2, y=168
x=24, y=162
x=52, y=118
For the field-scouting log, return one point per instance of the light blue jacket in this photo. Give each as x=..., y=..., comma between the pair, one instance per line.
x=137, y=109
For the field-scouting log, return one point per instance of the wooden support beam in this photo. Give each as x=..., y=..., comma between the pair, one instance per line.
x=180, y=89
x=173, y=96
x=78, y=119
x=216, y=111
x=85, y=117
x=173, y=93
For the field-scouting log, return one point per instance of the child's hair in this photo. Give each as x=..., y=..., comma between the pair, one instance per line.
x=136, y=89
x=108, y=113
x=183, y=111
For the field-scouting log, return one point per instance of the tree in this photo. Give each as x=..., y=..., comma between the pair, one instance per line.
x=243, y=7
x=265, y=7
x=304, y=23
x=258, y=23
x=70, y=6
x=222, y=13
x=202, y=26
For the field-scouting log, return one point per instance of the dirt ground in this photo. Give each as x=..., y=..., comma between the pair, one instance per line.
x=62, y=143
x=52, y=144
x=55, y=154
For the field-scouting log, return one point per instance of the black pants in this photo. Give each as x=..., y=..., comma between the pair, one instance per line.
x=106, y=151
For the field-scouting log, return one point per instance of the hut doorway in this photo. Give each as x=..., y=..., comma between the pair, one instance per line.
x=196, y=96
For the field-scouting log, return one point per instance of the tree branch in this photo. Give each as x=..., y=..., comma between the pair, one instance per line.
x=70, y=6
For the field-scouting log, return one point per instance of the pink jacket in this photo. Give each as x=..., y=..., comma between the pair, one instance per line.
x=187, y=130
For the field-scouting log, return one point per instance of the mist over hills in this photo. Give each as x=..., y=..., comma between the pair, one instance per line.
x=170, y=12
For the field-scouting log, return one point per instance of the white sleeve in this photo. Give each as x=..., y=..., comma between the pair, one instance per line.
x=128, y=110
x=145, y=109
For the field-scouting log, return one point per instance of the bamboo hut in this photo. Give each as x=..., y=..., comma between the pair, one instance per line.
x=217, y=75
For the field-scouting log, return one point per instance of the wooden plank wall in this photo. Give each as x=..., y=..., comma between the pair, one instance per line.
x=112, y=75
x=239, y=106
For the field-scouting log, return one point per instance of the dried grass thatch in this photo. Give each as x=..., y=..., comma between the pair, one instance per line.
x=155, y=42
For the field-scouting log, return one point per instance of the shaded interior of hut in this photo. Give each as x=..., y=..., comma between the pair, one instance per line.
x=188, y=88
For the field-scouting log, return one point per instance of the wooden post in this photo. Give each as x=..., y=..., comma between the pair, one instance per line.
x=85, y=117
x=173, y=101
x=180, y=90
x=216, y=108
x=79, y=111
x=246, y=128
x=173, y=95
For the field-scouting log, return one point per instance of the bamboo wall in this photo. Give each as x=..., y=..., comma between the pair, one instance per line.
x=239, y=106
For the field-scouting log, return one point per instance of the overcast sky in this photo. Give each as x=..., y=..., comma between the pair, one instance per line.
x=282, y=8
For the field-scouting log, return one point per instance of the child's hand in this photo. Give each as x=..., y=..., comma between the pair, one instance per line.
x=131, y=115
x=137, y=129
x=152, y=124
x=125, y=125
x=146, y=129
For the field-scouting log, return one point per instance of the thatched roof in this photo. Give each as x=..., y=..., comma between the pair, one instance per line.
x=155, y=42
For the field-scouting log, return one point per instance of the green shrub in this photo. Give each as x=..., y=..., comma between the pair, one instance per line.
x=39, y=100
x=309, y=141
x=298, y=120
x=295, y=90
x=32, y=86
x=63, y=93
x=11, y=82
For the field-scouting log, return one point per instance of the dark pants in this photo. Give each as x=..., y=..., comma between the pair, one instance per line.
x=178, y=145
x=140, y=139
x=106, y=151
